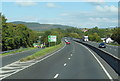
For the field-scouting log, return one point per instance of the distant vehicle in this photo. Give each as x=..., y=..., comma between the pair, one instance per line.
x=67, y=42
x=102, y=45
x=85, y=38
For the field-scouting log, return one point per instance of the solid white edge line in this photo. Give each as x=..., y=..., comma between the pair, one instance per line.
x=33, y=63
x=98, y=62
x=56, y=75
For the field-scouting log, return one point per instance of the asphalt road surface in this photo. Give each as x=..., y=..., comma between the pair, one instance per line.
x=109, y=48
x=15, y=57
x=75, y=61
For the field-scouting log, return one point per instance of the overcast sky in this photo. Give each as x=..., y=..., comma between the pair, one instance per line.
x=78, y=14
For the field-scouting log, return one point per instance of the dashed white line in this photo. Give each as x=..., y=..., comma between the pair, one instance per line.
x=56, y=75
x=31, y=64
x=69, y=58
x=65, y=64
x=71, y=55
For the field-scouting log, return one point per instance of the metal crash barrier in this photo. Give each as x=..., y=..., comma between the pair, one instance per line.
x=111, y=60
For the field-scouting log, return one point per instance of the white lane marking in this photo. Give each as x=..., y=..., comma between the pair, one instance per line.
x=69, y=58
x=32, y=63
x=65, y=64
x=12, y=67
x=98, y=62
x=13, y=62
x=71, y=55
x=9, y=64
x=7, y=71
x=56, y=75
x=2, y=76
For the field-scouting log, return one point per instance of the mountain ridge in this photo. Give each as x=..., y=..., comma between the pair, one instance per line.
x=41, y=27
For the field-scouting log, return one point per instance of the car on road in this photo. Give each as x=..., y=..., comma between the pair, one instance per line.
x=68, y=42
x=102, y=45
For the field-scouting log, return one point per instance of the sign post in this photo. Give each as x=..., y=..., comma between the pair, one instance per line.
x=52, y=38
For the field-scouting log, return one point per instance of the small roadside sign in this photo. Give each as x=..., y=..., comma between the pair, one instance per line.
x=52, y=38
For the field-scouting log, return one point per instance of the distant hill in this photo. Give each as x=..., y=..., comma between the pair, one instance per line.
x=40, y=27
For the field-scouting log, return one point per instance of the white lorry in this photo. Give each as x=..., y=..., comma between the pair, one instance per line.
x=85, y=38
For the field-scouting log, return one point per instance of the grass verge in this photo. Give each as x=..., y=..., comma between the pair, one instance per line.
x=42, y=52
x=17, y=51
x=113, y=44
